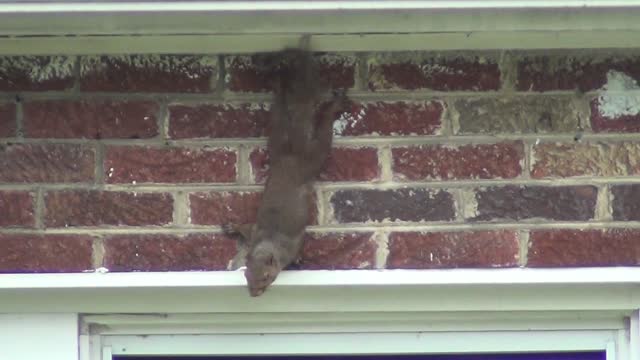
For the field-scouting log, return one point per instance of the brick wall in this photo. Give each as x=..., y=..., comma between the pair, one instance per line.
x=484, y=159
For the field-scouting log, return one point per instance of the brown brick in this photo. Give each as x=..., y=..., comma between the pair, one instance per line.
x=16, y=208
x=133, y=164
x=596, y=247
x=443, y=73
x=626, y=202
x=148, y=73
x=469, y=249
x=391, y=118
x=519, y=114
x=97, y=208
x=7, y=120
x=51, y=163
x=603, y=122
x=218, y=208
x=218, y=121
x=343, y=164
x=407, y=204
x=564, y=203
x=44, y=253
x=443, y=162
x=168, y=252
x=586, y=159
x=338, y=251
x=90, y=119
x=36, y=73
x=245, y=74
x=571, y=71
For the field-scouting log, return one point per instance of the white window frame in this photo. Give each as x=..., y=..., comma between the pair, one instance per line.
x=94, y=316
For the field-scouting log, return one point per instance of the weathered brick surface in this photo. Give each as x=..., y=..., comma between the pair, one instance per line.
x=250, y=74
x=443, y=73
x=93, y=119
x=571, y=71
x=443, y=162
x=44, y=253
x=626, y=202
x=597, y=247
x=36, y=73
x=518, y=114
x=225, y=207
x=148, y=73
x=338, y=251
x=551, y=160
x=106, y=208
x=564, y=203
x=7, y=120
x=138, y=164
x=468, y=249
x=391, y=118
x=168, y=252
x=343, y=164
x=622, y=123
x=407, y=204
x=218, y=121
x=39, y=163
x=16, y=209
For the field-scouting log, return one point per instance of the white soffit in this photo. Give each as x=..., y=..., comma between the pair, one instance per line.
x=323, y=291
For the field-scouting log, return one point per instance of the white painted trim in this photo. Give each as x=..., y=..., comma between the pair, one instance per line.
x=253, y=6
x=358, y=343
x=38, y=336
x=634, y=335
x=329, y=278
x=242, y=44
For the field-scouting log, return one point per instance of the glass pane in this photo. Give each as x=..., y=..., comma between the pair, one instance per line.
x=521, y=356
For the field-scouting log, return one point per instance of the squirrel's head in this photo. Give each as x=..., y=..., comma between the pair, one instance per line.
x=263, y=267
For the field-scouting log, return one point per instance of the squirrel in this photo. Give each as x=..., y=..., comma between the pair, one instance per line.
x=298, y=145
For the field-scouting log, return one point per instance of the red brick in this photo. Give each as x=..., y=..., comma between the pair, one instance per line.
x=96, y=208
x=168, y=252
x=148, y=73
x=595, y=247
x=218, y=208
x=16, y=208
x=586, y=159
x=406, y=204
x=92, y=119
x=7, y=120
x=603, y=123
x=46, y=163
x=443, y=162
x=338, y=251
x=218, y=121
x=391, y=118
x=45, y=253
x=442, y=73
x=569, y=72
x=343, y=164
x=132, y=164
x=36, y=73
x=469, y=249
x=563, y=203
x=626, y=202
x=244, y=74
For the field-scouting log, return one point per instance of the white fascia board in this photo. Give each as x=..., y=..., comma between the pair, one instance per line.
x=251, y=6
x=322, y=291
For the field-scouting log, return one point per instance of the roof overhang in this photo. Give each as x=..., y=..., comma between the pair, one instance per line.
x=49, y=27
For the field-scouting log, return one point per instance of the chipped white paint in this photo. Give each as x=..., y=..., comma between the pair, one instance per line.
x=620, y=96
x=347, y=120
x=39, y=70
